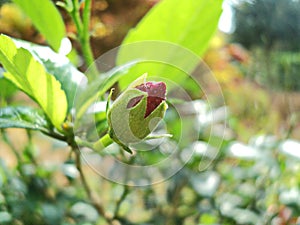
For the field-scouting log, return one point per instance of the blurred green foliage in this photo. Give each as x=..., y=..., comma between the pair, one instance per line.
x=267, y=23
x=53, y=30
x=4, y=1
x=270, y=29
x=280, y=71
x=229, y=175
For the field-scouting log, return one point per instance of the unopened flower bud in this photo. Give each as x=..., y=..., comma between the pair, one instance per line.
x=136, y=112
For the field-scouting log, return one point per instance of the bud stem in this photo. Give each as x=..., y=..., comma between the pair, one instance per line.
x=96, y=146
x=102, y=143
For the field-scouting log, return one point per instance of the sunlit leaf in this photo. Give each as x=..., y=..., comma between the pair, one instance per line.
x=58, y=65
x=31, y=77
x=46, y=18
x=189, y=25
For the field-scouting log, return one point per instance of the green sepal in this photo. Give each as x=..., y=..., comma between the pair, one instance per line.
x=108, y=101
x=125, y=147
x=141, y=126
x=151, y=137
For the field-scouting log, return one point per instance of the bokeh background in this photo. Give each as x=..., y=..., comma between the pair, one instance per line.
x=254, y=179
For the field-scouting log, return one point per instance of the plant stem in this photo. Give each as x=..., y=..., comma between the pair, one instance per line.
x=86, y=186
x=82, y=26
x=12, y=147
x=97, y=146
x=125, y=192
x=76, y=16
x=119, y=202
x=55, y=135
x=103, y=142
x=173, y=214
x=82, y=177
x=86, y=47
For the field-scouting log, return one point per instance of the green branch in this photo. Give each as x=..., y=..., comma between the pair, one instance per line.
x=85, y=35
x=86, y=186
x=76, y=16
x=82, y=27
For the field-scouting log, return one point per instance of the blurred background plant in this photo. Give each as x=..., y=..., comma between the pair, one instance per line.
x=251, y=178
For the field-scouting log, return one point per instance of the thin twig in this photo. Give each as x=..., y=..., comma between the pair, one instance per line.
x=55, y=136
x=30, y=146
x=120, y=201
x=12, y=147
x=82, y=177
x=87, y=188
x=126, y=191
x=172, y=214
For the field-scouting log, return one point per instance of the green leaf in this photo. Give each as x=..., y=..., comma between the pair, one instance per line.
x=65, y=74
x=46, y=18
x=30, y=76
x=7, y=89
x=59, y=66
x=23, y=117
x=189, y=25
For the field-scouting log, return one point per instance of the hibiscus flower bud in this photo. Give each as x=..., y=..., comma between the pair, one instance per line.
x=136, y=112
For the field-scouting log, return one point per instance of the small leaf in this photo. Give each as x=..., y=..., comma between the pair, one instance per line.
x=67, y=5
x=46, y=19
x=30, y=76
x=23, y=117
